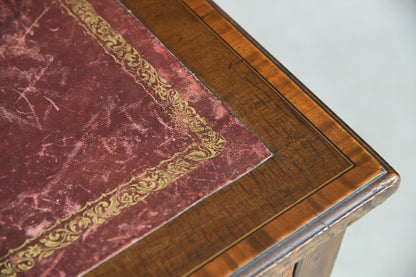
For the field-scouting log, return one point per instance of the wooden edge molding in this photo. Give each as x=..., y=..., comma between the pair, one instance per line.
x=287, y=236
x=327, y=225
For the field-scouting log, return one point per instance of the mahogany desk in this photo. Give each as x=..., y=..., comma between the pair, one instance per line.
x=287, y=216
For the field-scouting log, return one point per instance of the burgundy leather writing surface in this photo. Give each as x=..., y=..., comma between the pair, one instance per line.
x=104, y=135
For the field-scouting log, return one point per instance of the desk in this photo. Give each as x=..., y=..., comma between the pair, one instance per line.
x=293, y=209
x=287, y=216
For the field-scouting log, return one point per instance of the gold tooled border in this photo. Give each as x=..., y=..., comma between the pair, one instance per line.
x=207, y=145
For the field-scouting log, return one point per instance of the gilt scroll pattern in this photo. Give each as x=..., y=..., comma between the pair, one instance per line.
x=208, y=144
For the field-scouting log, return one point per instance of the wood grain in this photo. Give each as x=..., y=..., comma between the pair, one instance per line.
x=321, y=178
x=321, y=260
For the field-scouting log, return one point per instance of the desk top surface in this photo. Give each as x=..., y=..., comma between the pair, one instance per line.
x=321, y=170
x=319, y=175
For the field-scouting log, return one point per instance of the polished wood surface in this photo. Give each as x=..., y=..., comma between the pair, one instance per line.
x=322, y=176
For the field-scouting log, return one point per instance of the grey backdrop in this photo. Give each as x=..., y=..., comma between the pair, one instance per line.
x=359, y=57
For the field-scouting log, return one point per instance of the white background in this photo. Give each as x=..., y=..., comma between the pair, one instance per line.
x=359, y=57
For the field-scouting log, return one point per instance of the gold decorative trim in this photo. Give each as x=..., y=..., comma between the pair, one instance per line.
x=208, y=144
